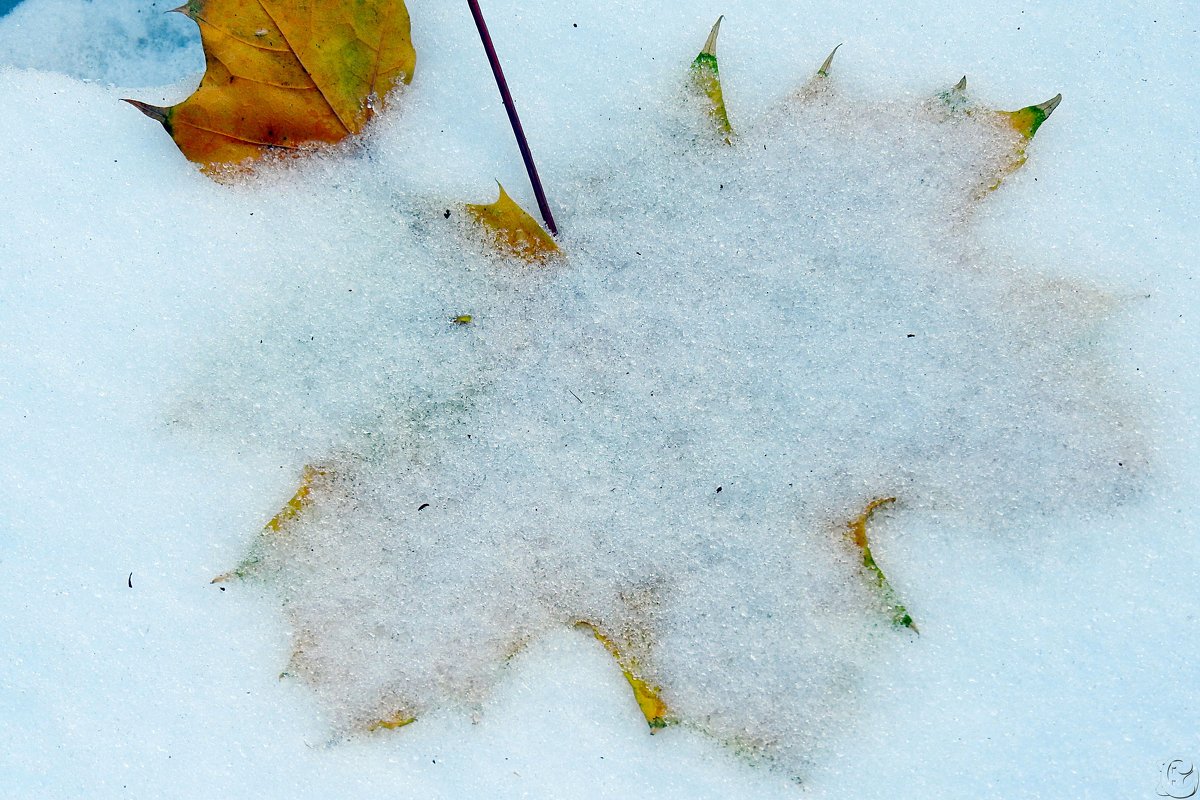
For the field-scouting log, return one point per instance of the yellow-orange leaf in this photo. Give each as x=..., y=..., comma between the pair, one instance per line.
x=515, y=232
x=285, y=73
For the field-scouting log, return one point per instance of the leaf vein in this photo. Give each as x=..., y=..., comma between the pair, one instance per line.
x=304, y=66
x=236, y=138
x=249, y=43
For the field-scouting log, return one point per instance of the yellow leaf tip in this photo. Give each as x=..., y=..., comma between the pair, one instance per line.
x=512, y=229
x=502, y=195
x=823, y=71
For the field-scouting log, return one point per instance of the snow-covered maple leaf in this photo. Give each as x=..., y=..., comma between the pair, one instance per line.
x=757, y=329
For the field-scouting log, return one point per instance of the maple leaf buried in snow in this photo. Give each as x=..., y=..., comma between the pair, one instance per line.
x=280, y=74
x=680, y=435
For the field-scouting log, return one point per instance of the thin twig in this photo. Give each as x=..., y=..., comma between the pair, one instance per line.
x=511, y=108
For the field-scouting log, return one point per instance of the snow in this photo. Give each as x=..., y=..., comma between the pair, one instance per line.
x=149, y=431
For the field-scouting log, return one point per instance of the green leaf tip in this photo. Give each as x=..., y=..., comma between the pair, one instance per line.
x=706, y=77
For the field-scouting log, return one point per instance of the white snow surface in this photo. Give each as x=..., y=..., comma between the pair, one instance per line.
x=176, y=350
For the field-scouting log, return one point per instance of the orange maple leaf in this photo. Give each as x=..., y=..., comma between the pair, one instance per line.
x=286, y=73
